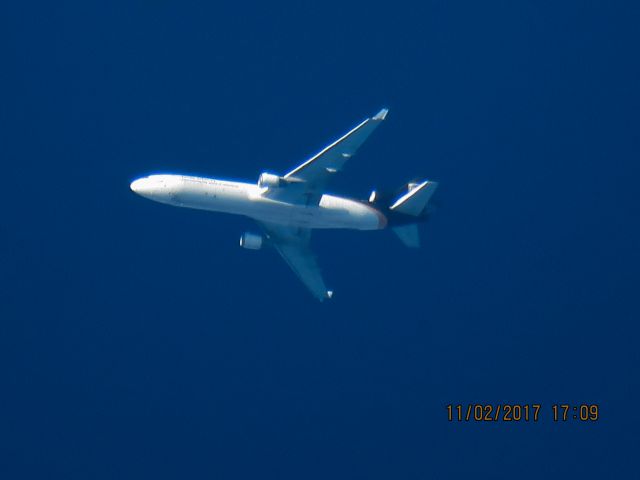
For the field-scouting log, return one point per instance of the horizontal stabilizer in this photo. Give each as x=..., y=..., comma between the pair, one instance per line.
x=408, y=234
x=415, y=200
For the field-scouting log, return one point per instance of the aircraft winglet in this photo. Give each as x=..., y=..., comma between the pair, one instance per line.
x=381, y=115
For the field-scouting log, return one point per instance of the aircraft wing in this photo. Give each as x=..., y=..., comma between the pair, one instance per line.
x=306, y=182
x=293, y=244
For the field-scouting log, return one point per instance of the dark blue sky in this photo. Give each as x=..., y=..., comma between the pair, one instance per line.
x=139, y=341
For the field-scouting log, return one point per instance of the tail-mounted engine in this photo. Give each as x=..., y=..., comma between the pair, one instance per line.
x=387, y=198
x=252, y=241
x=381, y=199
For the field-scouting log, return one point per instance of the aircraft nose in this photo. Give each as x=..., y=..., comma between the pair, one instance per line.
x=141, y=186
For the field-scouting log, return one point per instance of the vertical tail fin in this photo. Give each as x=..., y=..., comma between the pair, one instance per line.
x=412, y=203
x=415, y=200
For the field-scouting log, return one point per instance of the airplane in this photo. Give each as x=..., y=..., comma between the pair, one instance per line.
x=288, y=207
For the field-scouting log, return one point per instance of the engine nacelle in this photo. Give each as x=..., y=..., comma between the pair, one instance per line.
x=269, y=180
x=252, y=241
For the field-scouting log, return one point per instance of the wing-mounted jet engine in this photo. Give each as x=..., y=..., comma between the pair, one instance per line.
x=251, y=241
x=270, y=180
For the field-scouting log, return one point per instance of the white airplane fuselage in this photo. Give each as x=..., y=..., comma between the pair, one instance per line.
x=247, y=199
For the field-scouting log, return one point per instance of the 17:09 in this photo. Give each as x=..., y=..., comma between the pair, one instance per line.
x=584, y=412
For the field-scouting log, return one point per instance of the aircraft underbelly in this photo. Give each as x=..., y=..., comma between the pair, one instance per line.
x=317, y=217
x=243, y=199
